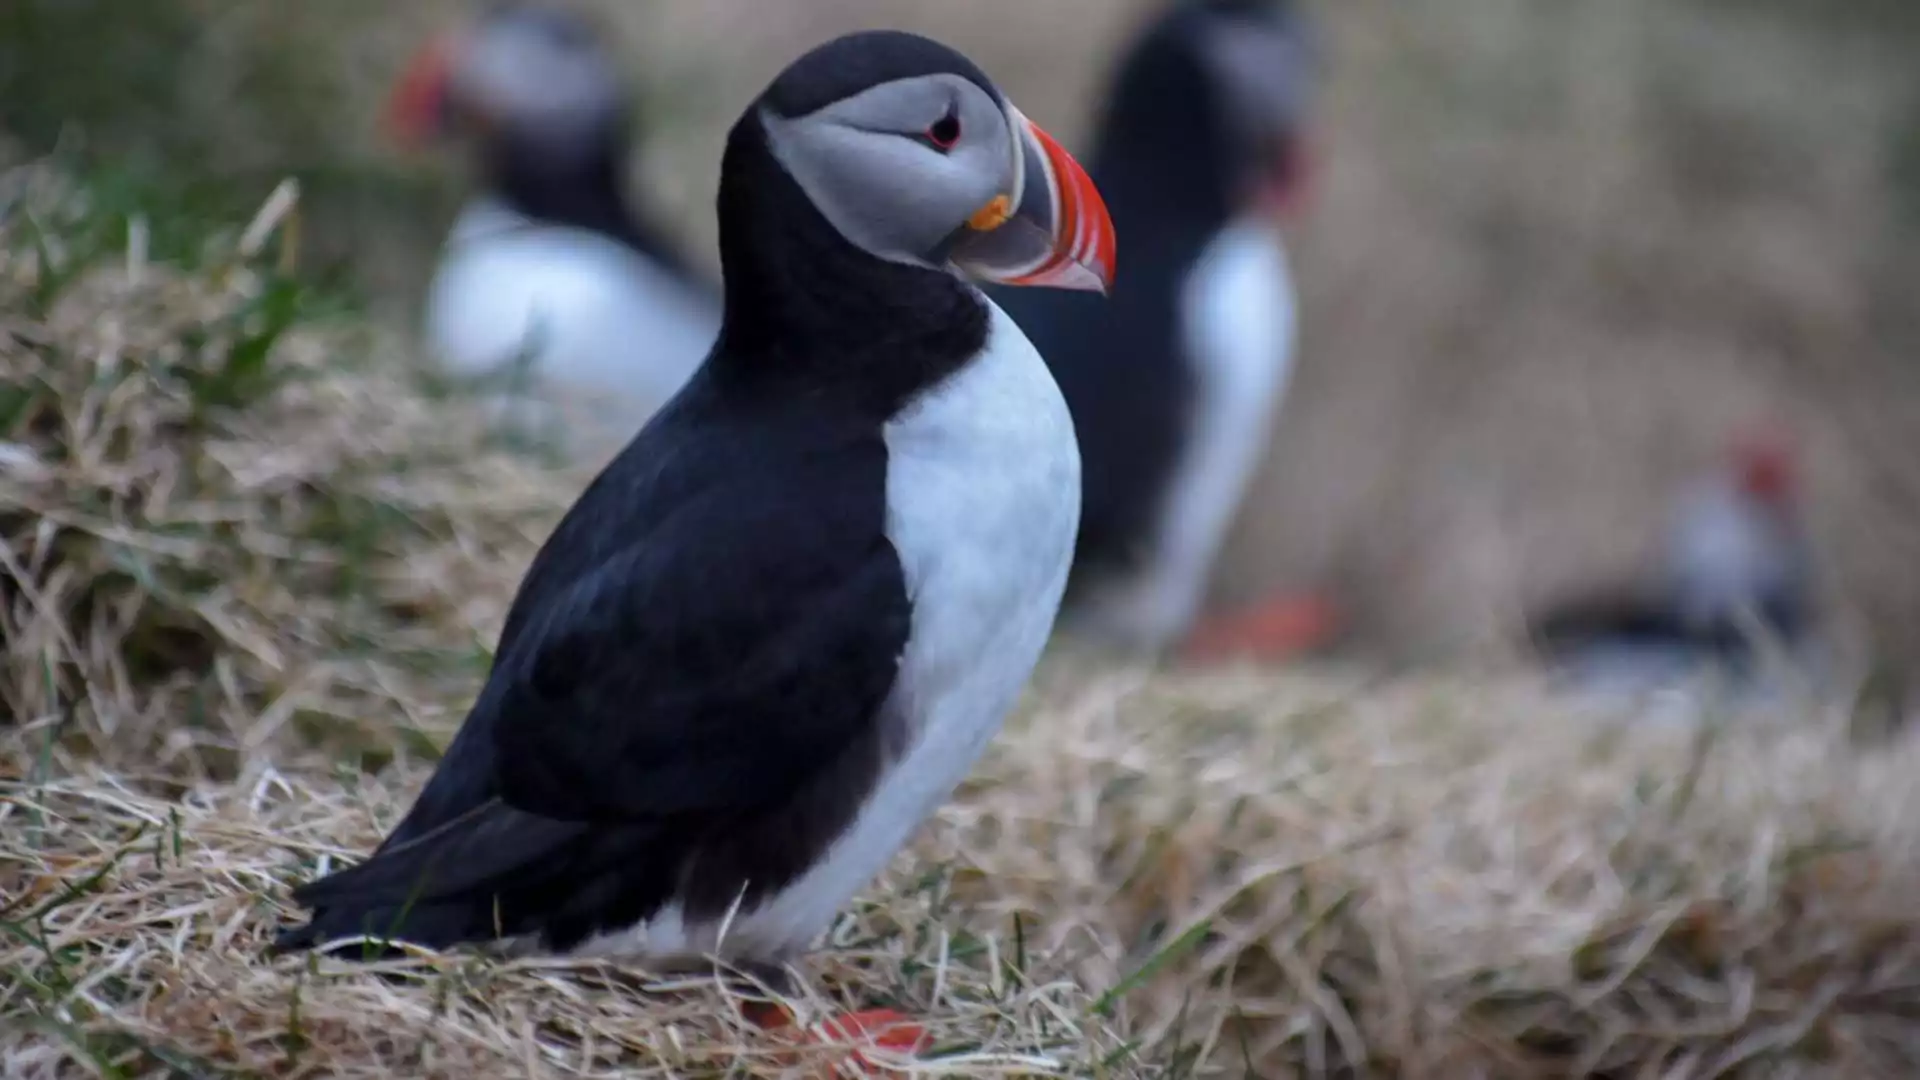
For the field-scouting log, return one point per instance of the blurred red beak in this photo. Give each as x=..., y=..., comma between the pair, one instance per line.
x=416, y=110
x=1284, y=191
x=1763, y=461
x=1052, y=232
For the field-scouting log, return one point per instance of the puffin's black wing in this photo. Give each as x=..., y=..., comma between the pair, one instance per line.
x=703, y=672
x=740, y=642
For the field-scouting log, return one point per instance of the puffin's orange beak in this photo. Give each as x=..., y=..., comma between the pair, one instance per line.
x=1285, y=189
x=417, y=109
x=1763, y=460
x=1051, y=231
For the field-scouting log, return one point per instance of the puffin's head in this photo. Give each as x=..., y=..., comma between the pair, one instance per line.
x=912, y=154
x=1248, y=67
x=522, y=72
x=1260, y=58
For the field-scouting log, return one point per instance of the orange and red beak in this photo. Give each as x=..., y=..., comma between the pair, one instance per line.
x=417, y=110
x=1051, y=231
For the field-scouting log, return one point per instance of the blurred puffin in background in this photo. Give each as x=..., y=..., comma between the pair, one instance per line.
x=1174, y=385
x=1735, y=581
x=548, y=264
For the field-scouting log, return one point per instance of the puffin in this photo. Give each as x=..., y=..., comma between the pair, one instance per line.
x=549, y=264
x=781, y=625
x=1200, y=151
x=1735, y=580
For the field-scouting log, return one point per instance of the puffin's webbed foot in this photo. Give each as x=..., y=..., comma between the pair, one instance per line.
x=1278, y=628
x=758, y=980
x=864, y=1029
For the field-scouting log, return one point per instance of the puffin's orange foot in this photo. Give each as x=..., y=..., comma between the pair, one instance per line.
x=868, y=1029
x=1275, y=629
x=886, y=1029
x=766, y=1015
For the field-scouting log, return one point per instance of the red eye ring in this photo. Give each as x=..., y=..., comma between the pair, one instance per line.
x=945, y=132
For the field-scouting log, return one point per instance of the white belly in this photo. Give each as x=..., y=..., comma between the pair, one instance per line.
x=983, y=504
x=1724, y=553
x=594, y=321
x=1237, y=319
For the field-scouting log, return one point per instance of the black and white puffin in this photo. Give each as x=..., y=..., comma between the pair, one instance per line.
x=1174, y=385
x=549, y=263
x=1735, y=580
x=779, y=628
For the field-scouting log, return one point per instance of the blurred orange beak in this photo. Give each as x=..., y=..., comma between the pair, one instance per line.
x=1763, y=460
x=417, y=109
x=1052, y=231
x=1285, y=190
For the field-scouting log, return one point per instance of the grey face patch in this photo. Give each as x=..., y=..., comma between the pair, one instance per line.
x=1263, y=72
x=540, y=76
x=866, y=163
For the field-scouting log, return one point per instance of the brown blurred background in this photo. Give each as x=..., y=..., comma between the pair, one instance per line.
x=1557, y=248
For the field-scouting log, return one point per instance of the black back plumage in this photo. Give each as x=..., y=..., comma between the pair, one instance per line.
x=690, y=691
x=1656, y=621
x=1649, y=625
x=1169, y=167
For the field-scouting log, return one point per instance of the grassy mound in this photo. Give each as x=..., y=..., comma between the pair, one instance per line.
x=249, y=568
x=1152, y=875
x=227, y=512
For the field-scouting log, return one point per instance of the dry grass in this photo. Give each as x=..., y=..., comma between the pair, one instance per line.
x=156, y=956
x=1150, y=876
x=213, y=688
x=225, y=514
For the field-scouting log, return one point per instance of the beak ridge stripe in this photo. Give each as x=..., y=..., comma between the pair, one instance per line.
x=1087, y=246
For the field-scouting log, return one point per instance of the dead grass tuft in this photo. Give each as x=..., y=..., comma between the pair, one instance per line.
x=1152, y=875
x=134, y=929
x=227, y=514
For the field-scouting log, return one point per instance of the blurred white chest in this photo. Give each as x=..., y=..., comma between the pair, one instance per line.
x=586, y=314
x=1236, y=311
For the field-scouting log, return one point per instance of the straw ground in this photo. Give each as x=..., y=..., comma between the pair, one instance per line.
x=252, y=562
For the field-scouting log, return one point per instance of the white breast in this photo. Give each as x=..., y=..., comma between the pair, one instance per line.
x=1237, y=318
x=594, y=320
x=1724, y=553
x=983, y=503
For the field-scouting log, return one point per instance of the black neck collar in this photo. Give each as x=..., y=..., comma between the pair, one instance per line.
x=805, y=306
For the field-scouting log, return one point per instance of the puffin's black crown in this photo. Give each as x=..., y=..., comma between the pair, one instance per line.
x=1285, y=15
x=565, y=26
x=1269, y=9
x=860, y=61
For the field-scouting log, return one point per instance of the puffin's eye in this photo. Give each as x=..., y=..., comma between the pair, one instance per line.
x=945, y=132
